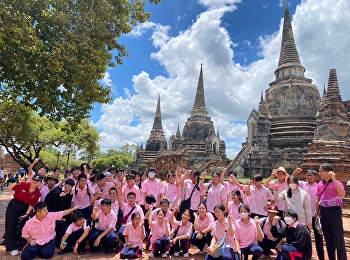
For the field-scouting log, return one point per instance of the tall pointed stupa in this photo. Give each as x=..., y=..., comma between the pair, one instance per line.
x=280, y=131
x=199, y=125
x=156, y=141
x=198, y=138
x=331, y=141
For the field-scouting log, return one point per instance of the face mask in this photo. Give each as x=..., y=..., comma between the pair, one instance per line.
x=151, y=174
x=288, y=220
x=293, y=186
x=243, y=214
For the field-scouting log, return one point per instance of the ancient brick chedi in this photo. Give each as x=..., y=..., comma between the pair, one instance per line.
x=331, y=142
x=197, y=145
x=281, y=129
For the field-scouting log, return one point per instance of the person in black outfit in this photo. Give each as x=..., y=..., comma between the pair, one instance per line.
x=296, y=239
x=59, y=199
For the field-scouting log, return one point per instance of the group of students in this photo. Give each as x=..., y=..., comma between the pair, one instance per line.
x=105, y=209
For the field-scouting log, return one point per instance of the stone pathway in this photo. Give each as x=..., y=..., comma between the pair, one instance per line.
x=6, y=196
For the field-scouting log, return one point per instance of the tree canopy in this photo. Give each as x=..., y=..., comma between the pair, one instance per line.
x=24, y=134
x=53, y=52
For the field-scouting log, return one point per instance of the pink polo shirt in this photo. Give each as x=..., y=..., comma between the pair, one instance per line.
x=126, y=190
x=158, y=230
x=114, y=206
x=134, y=234
x=155, y=211
x=196, y=196
x=206, y=222
x=152, y=187
x=142, y=199
x=81, y=197
x=171, y=192
x=106, y=221
x=218, y=232
x=329, y=197
x=42, y=231
x=215, y=195
x=183, y=229
x=105, y=189
x=233, y=209
x=281, y=205
x=246, y=234
x=230, y=187
x=126, y=208
x=43, y=192
x=258, y=199
x=72, y=227
x=311, y=190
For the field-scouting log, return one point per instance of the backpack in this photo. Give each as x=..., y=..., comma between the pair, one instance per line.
x=264, y=221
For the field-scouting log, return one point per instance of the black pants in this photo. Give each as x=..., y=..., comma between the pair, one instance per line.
x=72, y=239
x=318, y=241
x=333, y=232
x=13, y=228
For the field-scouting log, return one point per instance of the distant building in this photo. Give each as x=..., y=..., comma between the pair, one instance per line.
x=197, y=145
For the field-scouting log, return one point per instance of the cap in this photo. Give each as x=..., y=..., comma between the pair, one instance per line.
x=272, y=208
x=280, y=169
x=313, y=171
x=107, y=174
x=150, y=199
x=37, y=177
x=152, y=170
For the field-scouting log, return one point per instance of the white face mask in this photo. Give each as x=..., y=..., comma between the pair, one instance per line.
x=151, y=174
x=288, y=220
x=243, y=214
x=293, y=186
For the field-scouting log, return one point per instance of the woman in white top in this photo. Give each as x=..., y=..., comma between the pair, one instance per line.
x=296, y=199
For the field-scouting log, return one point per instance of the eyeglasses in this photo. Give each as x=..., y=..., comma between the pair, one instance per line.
x=37, y=180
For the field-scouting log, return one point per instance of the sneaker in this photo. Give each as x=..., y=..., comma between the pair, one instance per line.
x=186, y=255
x=176, y=253
x=81, y=252
x=151, y=255
x=14, y=252
x=165, y=255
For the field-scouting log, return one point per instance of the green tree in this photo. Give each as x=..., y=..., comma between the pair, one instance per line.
x=25, y=134
x=129, y=149
x=53, y=52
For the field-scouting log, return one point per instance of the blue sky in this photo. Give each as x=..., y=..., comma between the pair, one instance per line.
x=238, y=43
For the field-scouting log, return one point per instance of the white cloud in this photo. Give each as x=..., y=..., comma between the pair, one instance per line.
x=218, y=3
x=139, y=30
x=231, y=90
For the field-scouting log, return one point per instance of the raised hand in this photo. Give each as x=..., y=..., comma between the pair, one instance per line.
x=95, y=210
x=36, y=160
x=256, y=219
x=275, y=220
x=229, y=217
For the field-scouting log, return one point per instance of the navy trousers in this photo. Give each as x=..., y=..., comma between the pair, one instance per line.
x=45, y=251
